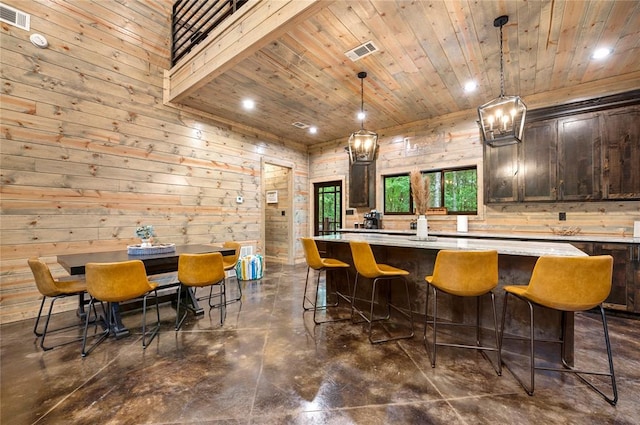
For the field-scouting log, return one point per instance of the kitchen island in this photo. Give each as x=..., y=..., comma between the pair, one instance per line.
x=516, y=260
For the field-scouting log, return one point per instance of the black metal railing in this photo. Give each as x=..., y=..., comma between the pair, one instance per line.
x=193, y=20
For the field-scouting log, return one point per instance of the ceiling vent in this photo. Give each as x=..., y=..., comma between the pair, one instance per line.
x=299, y=124
x=14, y=17
x=361, y=51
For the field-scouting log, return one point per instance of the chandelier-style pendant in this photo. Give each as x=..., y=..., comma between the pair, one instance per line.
x=363, y=144
x=502, y=119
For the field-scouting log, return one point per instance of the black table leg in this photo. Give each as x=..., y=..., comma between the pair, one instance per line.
x=116, y=325
x=192, y=302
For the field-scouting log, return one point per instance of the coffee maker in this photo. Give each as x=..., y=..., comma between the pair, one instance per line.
x=372, y=220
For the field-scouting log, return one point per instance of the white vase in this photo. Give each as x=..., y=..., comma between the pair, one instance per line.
x=422, y=233
x=146, y=243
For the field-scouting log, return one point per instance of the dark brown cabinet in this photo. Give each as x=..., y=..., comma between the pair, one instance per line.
x=625, y=285
x=501, y=168
x=578, y=170
x=580, y=157
x=621, y=167
x=539, y=160
x=362, y=185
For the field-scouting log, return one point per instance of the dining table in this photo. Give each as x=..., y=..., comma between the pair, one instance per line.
x=156, y=263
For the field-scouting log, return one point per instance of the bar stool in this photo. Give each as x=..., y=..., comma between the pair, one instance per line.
x=367, y=267
x=118, y=282
x=319, y=264
x=54, y=289
x=230, y=262
x=197, y=271
x=567, y=284
x=463, y=274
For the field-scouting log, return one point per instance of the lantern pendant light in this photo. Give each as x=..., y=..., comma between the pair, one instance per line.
x=502, y=119
x=363, y=144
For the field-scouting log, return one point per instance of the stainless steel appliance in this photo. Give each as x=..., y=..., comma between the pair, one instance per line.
x=372, y=220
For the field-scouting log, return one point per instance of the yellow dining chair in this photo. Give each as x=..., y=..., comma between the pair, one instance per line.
x=368, y=268
x=197, y=271
x=230, y=262
x=319, y=264
x=115, y=283
x=54, y=289
x=463, y=274
x=567, y=284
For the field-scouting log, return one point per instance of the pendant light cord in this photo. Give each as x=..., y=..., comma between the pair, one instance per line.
x=362, y=101
x=501, y=66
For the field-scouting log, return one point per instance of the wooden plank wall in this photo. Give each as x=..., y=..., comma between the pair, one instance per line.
x=89, y=152
x=454, y=141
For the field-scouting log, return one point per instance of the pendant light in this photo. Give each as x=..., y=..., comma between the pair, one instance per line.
x=363, y=144
x=502, y=119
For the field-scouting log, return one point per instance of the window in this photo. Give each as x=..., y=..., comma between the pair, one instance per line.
x=397, y=195
x=455, y=189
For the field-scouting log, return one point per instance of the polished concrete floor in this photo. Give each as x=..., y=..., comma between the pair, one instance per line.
x=269, y=364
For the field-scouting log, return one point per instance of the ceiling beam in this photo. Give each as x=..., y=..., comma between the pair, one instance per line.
x=241, y=36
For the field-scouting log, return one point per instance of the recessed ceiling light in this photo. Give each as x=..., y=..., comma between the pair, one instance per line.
x=470, y=86
x=313, y=130
x=361, y=116
x=601, y=53
x=248, y=104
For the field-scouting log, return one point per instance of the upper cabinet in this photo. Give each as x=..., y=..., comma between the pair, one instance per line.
x=501, y=173
x=362, y=185
x=570, y=155
x=539, y=159
x=621, y=153
x=578, y=171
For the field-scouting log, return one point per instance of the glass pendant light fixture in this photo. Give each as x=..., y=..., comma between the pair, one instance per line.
x=363, y=144
x=502, y=119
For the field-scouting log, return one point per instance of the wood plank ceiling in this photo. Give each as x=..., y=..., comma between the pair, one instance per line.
x=428, y=51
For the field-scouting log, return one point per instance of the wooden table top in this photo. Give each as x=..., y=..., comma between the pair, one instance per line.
x=154, y=263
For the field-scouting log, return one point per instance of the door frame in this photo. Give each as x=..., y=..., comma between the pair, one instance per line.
x=290, y=206
x=312, y=199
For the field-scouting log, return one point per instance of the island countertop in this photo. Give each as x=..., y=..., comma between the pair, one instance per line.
x=507, y=236
x=503, y=246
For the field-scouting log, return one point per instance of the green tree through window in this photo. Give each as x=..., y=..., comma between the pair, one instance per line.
x=455, y=189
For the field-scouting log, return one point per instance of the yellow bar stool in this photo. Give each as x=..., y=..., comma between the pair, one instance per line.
x=463, y=274
x=367, y=267
x=198, y=271
x=319, y=264
x=115, y=283
x=567, y=284
x=230, y=262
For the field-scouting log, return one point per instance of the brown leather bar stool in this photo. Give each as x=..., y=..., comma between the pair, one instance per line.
x=118, y=282
x=367, y=267
x=197, y=271
x=54, y=289
x=319, y=264
x=567, y=284
x=463, y=274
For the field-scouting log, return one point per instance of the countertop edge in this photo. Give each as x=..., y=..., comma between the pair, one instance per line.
x=517, y=236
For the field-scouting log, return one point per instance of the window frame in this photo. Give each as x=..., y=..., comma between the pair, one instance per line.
x=442, y=172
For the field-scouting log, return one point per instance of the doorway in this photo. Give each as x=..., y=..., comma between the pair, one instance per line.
x=278, y=230
x=328, y=208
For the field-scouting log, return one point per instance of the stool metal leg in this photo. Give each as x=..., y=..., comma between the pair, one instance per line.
x=567, y=368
